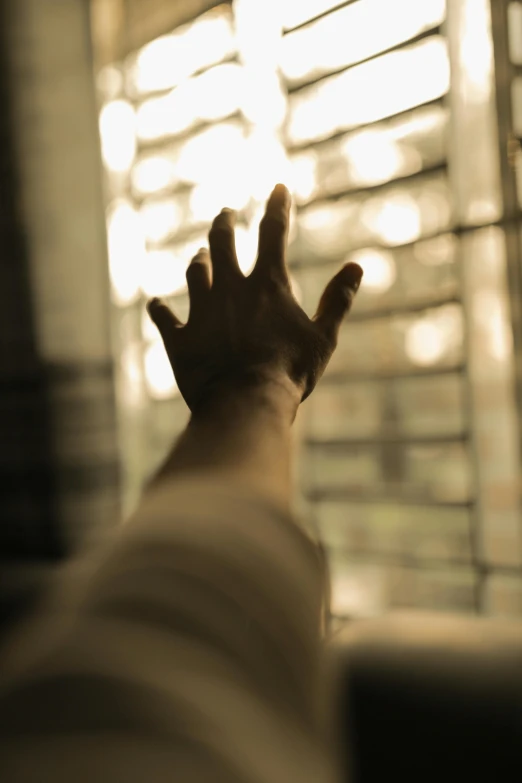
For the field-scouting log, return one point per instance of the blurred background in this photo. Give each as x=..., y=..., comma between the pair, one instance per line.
x=396, y=124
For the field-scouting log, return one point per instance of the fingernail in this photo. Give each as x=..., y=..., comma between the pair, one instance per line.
x=228, y=211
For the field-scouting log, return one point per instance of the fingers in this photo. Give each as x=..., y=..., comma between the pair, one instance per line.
x=337, y=299
x=223, y=248
x=273, y=235
x=167, y=323
x=199, y=280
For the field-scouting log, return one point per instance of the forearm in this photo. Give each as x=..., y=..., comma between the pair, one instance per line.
x=244, y=437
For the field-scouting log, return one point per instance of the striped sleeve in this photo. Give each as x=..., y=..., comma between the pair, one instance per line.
x=192, y=649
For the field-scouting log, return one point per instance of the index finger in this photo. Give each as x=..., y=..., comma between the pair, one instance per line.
x=273, y=234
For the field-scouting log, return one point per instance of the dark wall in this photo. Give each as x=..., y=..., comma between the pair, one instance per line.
x=59, y=458
x=26, y=476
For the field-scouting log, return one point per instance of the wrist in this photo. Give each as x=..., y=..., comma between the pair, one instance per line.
x=268, y=394
x=241, y=433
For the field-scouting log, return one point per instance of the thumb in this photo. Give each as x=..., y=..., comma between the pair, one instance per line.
x=163, y=317
x=337, y=299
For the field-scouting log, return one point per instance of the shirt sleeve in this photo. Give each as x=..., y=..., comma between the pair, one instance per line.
x=192, y=651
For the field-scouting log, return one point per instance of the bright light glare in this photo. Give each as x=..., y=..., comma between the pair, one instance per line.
x=215, y=94
x=160, y=219
x=218, y=92
x=163, y=273
x=159, y=376
x=246, y=247
x=396, y=81
x=370, y=156
x=117, y=133
x=374, y=157
x=208, y=199
x=294, y=13
x=425, y=343
x=476, y=51
x=303, y=175
x=264, y=101
x=214, y=151
x=327, y=217
x=126, y=247
x=165, y=116
x=327, y=229
x=258, y=32
x=429, y=120
x=429, y=339
x=351, y=35
x=267, y=164
x=218, y=152
x=394, y=219
x=153, y=174
x=168, y=60
x=379, y=269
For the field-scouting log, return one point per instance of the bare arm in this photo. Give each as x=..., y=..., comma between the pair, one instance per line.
x=244, y=438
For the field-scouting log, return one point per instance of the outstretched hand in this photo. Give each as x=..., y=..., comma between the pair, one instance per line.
x=251, y=330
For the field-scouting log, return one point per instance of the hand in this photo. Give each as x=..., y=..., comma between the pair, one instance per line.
x=251, y=330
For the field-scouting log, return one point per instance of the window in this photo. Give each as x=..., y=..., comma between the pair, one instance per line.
x=382, y=118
